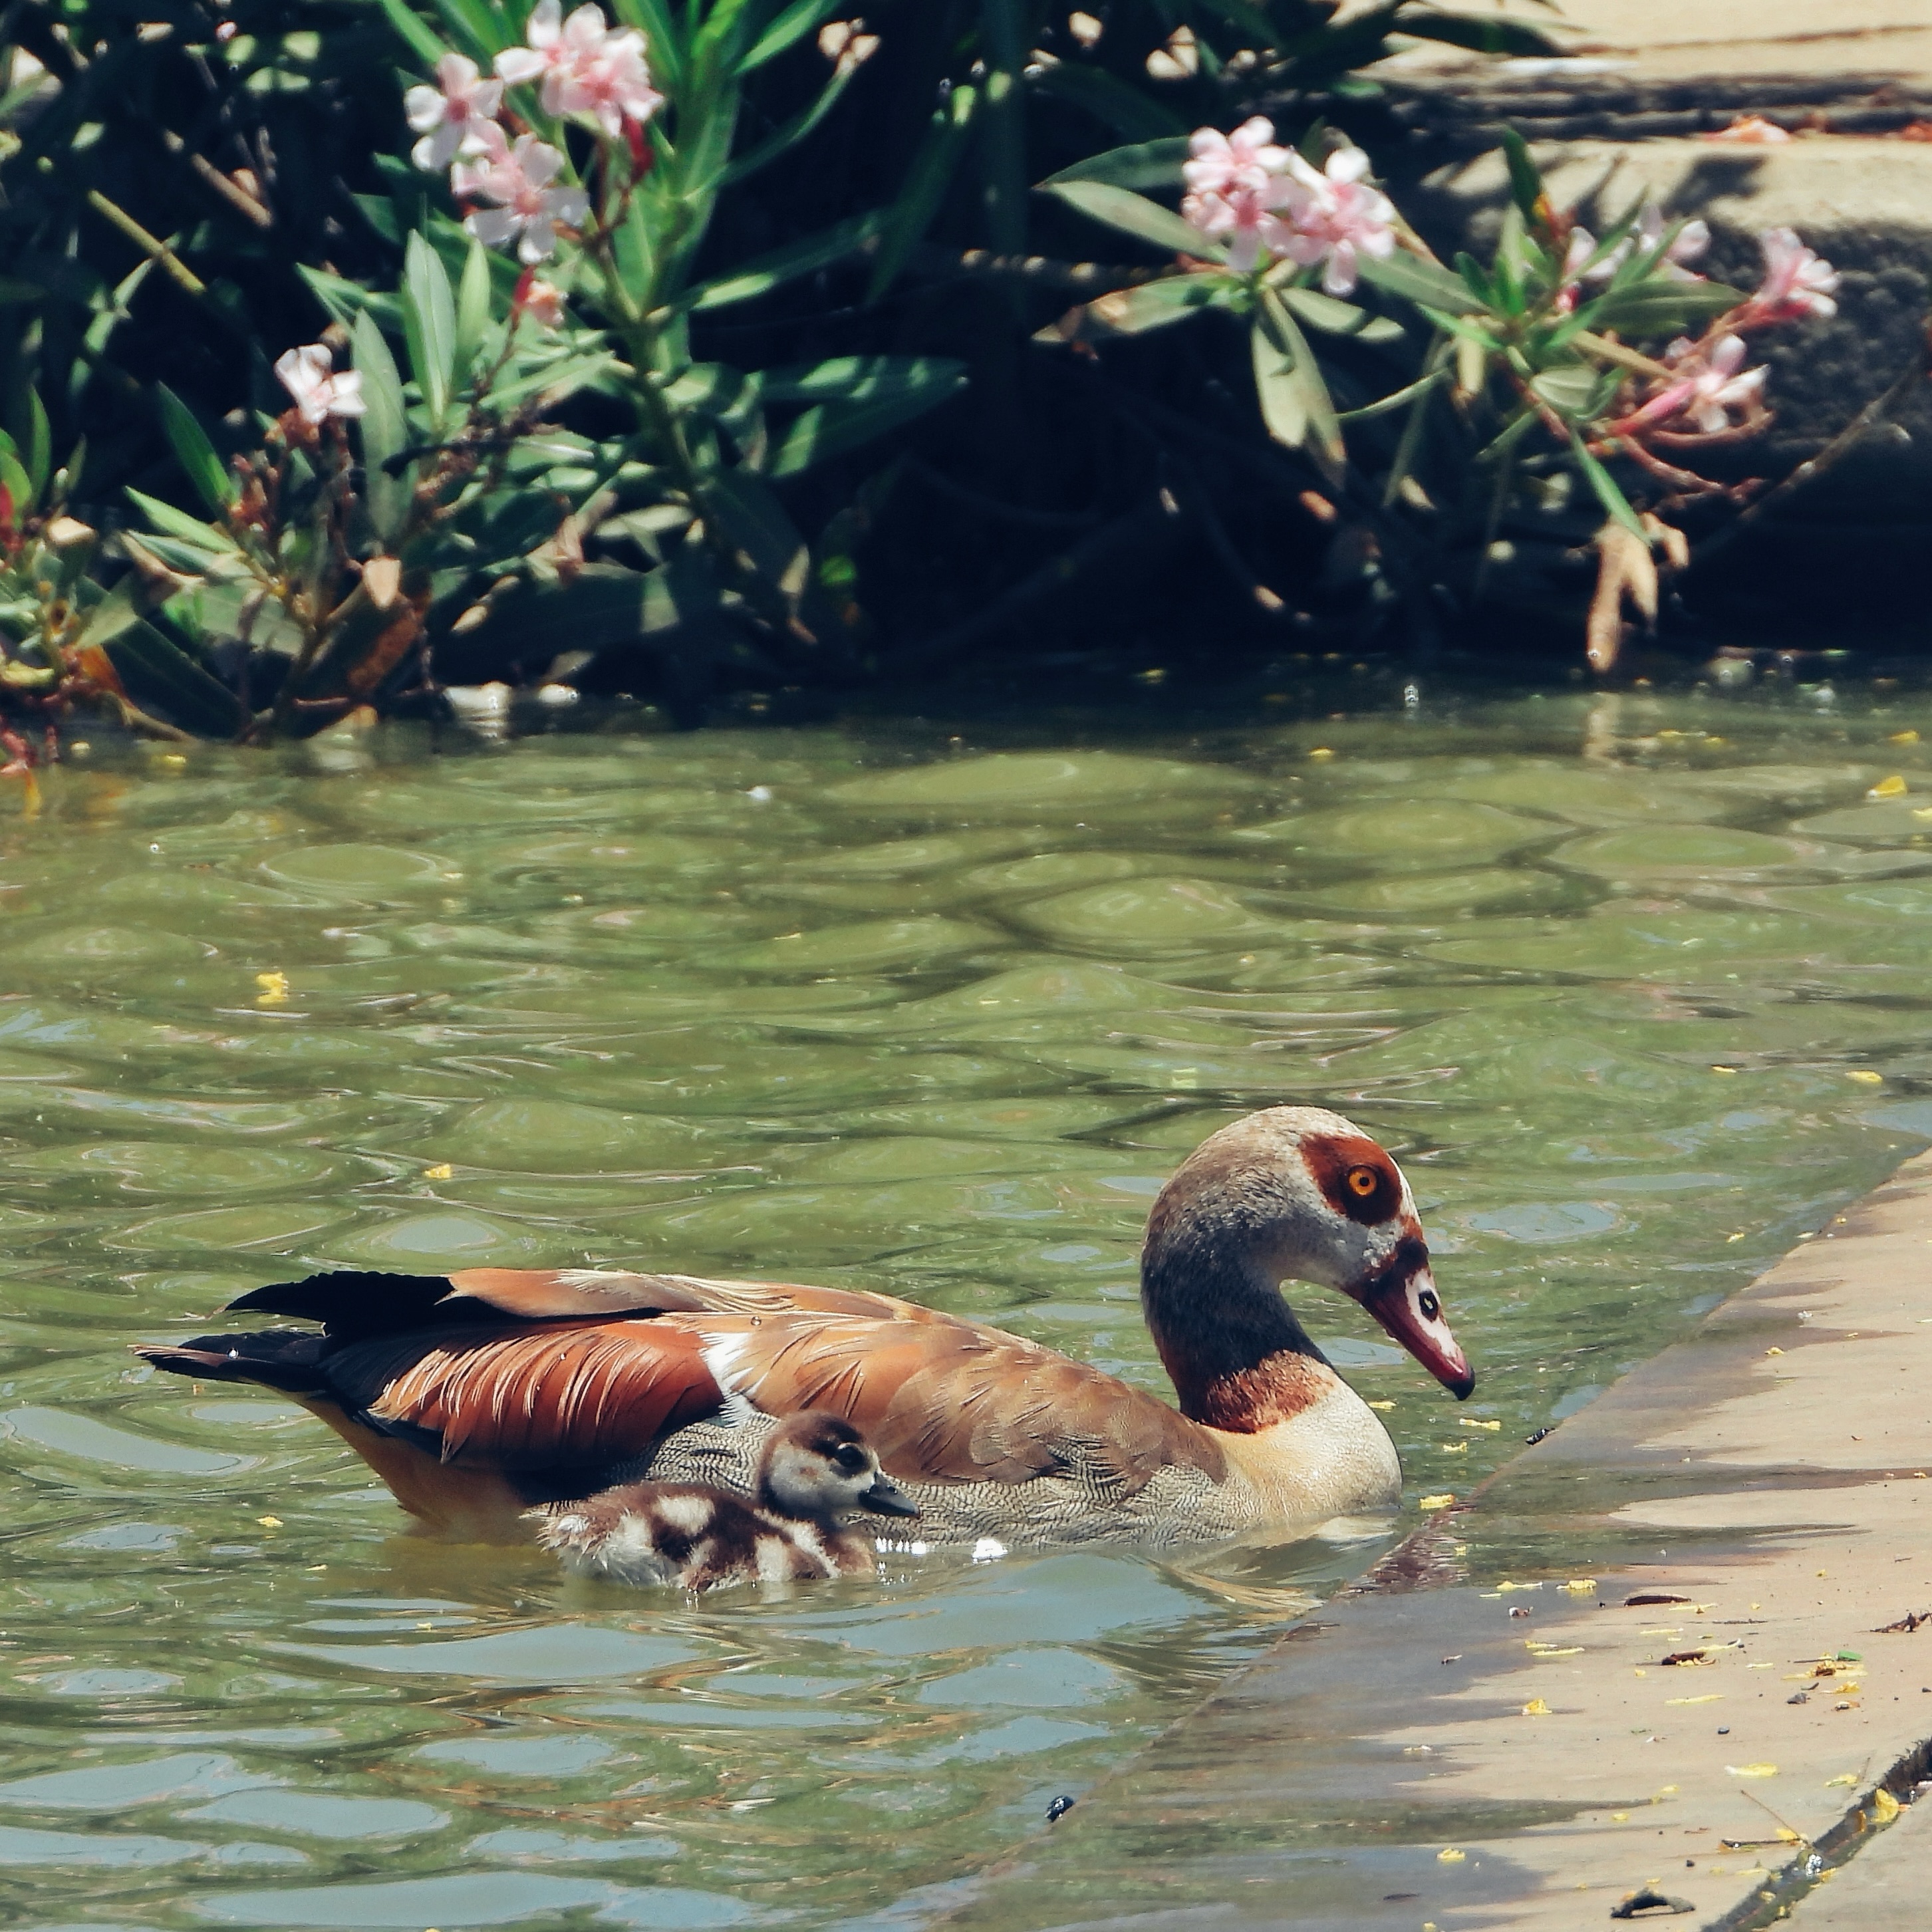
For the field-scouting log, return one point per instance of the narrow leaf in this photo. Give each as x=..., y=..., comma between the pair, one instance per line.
x=1340, y=318
x=1295, y=403
x=1128, y=110
x=1479, y=36
x=1418, y=281
x=1600, y=480
x=1135, y=311
x=789, y=28
x=1145, y=164
x=472, y=311
x=1134, y=214
x=926, y=182
x=767, y=272
x=1525, y=177
x=845, y=378
x=385, y=431
x=160, y=675
x=831, y=429
x=209, y=538
x=429, y=326
x=40, y=450
x=194, y=452
x=415, y=31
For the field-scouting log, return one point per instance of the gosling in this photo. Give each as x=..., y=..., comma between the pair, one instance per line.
x=814, y=1468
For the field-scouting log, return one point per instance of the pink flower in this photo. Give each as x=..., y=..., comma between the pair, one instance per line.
x=1692, y=239
x=1233, y=182
x=1335, y=217
x=542, y=301
x=1709, y=385
x=448, y=115
x=309, y=375
x=527, y=211
x=585, y=68
x=1796, y=282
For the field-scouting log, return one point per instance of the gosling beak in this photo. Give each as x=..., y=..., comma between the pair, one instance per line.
x=886, y=1497
x=1407, y=1306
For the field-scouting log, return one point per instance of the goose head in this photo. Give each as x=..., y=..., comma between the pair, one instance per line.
x=1290, y=1193
x=814, y=1464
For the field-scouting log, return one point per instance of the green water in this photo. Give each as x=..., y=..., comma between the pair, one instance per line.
x=1634, y=986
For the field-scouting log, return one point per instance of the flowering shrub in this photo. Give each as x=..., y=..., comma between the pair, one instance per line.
x=1537, y=350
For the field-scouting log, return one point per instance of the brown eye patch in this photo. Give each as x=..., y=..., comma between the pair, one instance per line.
x=1355, y=1177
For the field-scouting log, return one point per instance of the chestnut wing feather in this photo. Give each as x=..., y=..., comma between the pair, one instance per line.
x=954, y=1403
x=532, y=1397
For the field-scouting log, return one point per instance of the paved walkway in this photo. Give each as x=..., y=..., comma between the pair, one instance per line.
x=1513, y=1746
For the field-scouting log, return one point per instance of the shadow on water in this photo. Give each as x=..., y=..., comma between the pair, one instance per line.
x=1634, y=985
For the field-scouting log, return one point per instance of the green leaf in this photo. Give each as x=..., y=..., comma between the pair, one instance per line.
x=553, y=380
x=767, y=272
x=194, y=452
x=472, y=311
x=1145, y=164
x=15, y=481
x=1479, y=36
x=1128, y=110
x=1134, y=214
x=343, y=301
x=1571, y=392
x=429, y=326
x=1525, y=177
x=1295, y=403
x=385, y=432
x=209, y=538
x=1424, y=283
x=1151, y=305
x=780, y=142
x=789, y=28
x=1658, y=307
x=413, y=29
x=926, y=182
x=40, y=451
x=160, y=676
x=1340, y=318
x=831, y=429
x=862, y=378
x=1600, y=480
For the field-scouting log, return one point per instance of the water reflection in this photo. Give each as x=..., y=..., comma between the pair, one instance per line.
x=1635, y=987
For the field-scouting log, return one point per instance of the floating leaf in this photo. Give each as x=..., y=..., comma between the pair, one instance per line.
x=1435, y=1502
x=1894, y=787
x=1536, y=1708
x=1449, y=1856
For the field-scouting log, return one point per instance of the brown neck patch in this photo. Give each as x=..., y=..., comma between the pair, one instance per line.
x=1243, y=1401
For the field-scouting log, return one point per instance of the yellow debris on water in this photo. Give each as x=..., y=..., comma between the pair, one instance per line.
x=1536, y=1708
x=1884, y=1807
x=1750, y=1771
x=1709, y=1697
x=1449, y=1856
x=1903, y=738
x=274, y=988
x=442, y=1171
x=269, y=1521
x=1894, y=787
x=1321, y=751
x=1581, y=1586
x=1384, y=1406
x=1843, y=1778
x=1476, y=1422
x=1441, y=1501
x=1865, y=1077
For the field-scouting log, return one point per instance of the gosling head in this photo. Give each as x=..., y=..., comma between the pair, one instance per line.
x=1299, y=1193
x=814, y=1464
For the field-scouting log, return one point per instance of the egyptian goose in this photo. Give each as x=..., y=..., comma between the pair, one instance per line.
x=813, y=1469
x=475, y=1395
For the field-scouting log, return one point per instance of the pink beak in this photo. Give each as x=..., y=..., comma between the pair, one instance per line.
x=1410, y=1310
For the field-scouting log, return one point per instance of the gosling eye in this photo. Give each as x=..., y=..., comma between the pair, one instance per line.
x=1430, y=1307
x=850, y=1457
x=1363, y=1181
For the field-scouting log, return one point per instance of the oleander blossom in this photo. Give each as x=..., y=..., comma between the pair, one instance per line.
x=449, y=115
x=526, y=210
x=1687, y=246
x=586, y=70
x=1336, y=218
x=1233, y=182
x=310, y=376
x=542, y=301
x=1797, y=283
x=1710, y=382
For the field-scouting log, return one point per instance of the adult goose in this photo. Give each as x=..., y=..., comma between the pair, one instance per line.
x=476, y=1395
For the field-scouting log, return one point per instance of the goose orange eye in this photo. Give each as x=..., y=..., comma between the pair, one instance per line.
x=1363, y=1181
